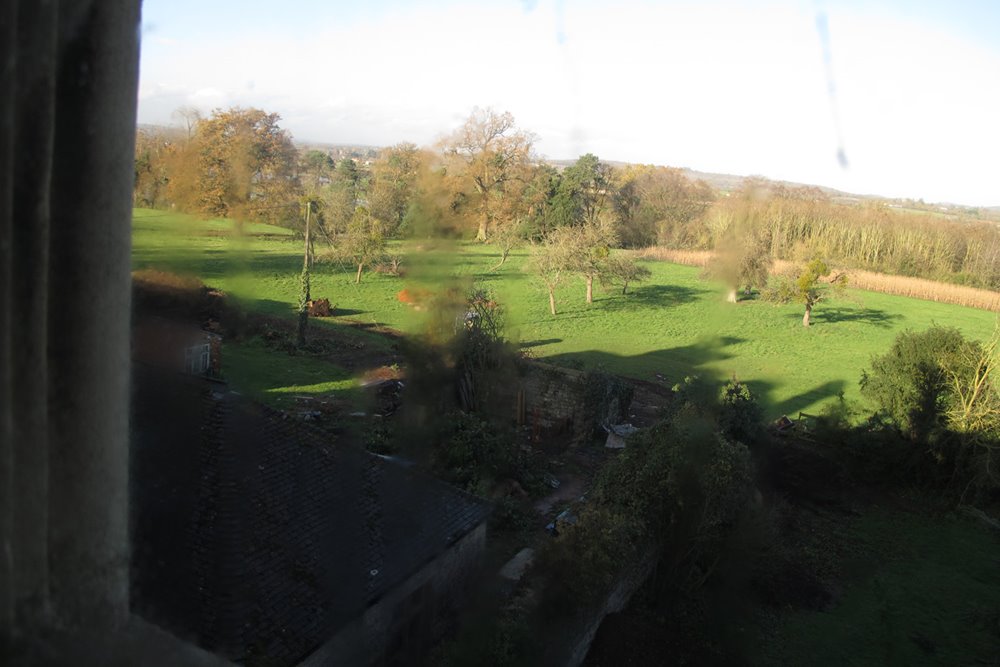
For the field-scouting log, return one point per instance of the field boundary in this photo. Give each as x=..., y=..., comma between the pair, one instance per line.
x=917, y=288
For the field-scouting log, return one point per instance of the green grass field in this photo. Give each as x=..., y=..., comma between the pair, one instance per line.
x=675, y=324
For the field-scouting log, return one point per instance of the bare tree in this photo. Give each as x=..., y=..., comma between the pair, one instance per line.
x=552, y=260
x=623, y=269
x=490, y=149
x=591, y=245
x=189, y=118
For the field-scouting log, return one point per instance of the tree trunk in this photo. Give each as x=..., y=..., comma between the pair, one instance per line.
x=357, y=278
x=481, y=234
x=805, y=317
x=731, y=296
x=552, y=301
x=624, y=288
x=590, y=289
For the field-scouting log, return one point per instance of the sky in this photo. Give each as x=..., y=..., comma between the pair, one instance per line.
x=896, y=98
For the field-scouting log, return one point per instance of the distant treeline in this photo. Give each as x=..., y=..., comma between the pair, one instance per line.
x=792, y=223
x=485, y=180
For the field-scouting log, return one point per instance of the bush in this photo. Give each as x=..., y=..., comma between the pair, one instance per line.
x=739, y=414
x=908, y=382
x=936, y=391
x=472, y=453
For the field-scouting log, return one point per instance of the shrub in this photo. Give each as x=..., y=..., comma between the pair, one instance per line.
x=937, y=391
x=739, y=414
x=907, y=383
x=471, y=453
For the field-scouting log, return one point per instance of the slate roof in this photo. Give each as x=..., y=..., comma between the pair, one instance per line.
x=257, y=536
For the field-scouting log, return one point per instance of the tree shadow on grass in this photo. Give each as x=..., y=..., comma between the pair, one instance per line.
x=674, y=363
x=211, y=264
x=650, y=296
x=669, y=366
x=793, y=405
x=834, y=314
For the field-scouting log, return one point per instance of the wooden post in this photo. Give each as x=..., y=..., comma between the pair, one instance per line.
x=304, y=295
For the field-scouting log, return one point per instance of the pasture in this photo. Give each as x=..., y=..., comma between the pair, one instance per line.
x=671, y=326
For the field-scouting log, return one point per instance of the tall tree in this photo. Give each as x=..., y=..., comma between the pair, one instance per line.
x=189, y=118
x=489, y=148
x=245, y=166
x=393, y=183
x=339, y=196
x=660, y=205
x=584, y=192
x=154, y=150
x=314, y=169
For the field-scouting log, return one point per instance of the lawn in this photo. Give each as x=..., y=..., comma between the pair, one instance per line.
x=922, y=590
x=277, y=379
x=674, y=325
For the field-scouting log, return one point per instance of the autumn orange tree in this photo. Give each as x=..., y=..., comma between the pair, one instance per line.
x=154, y=154
x=660, y=205
x=488, y=149
x=239, y=164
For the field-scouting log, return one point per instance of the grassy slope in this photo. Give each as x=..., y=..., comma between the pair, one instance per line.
x=675, y=324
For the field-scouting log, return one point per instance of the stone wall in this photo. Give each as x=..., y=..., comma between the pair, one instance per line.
x=549, y=400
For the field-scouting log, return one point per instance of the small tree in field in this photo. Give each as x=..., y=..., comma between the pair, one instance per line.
x=590, y=250
x=364, y=243
x=622, y=269
x=809, y=288
x=552, y=260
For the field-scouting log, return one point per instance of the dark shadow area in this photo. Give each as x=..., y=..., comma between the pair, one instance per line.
x=668, y=366
x=219, y=264
x=348, y=312
x=792, y=406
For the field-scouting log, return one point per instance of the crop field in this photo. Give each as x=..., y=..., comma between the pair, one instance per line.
x=671, y=326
